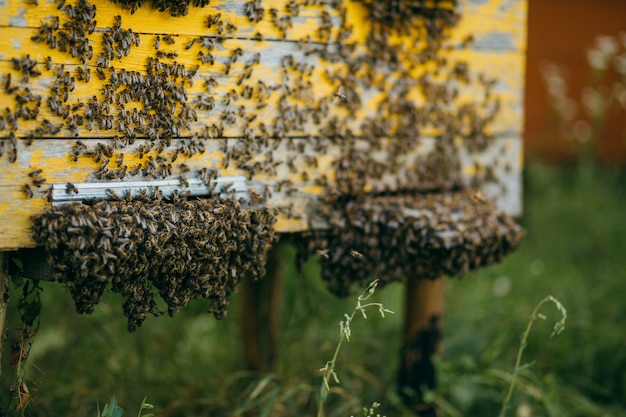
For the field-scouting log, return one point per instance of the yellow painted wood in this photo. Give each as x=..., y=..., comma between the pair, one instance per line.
x=497, y=26
x=500, y=63
x=479, y=18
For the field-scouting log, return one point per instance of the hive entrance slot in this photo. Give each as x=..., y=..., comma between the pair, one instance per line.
x=234, y=186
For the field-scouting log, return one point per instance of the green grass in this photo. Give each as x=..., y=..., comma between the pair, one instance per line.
x=574, y=251
x=191, y=365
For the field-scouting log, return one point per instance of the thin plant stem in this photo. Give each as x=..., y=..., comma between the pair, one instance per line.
x=344, y=334
x=558, y=328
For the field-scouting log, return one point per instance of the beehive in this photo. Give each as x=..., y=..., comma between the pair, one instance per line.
x=287, y=108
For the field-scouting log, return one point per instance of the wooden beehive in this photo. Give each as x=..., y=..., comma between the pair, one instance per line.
x=302, y=109
x=266, y=104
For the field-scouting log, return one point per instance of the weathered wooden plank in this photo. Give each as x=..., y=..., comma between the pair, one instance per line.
x=493, y=24
x=316, y=89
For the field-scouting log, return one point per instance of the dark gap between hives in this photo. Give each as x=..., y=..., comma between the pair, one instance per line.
x=185, y=249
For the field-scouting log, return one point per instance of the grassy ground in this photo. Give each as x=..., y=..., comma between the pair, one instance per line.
x=191, y=365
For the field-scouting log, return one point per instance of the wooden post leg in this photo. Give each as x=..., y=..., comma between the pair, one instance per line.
x=422, y=339
x=260, y=321
x=4, y=300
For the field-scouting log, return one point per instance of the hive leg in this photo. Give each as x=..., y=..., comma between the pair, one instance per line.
x=422, y=340
x=260, y=321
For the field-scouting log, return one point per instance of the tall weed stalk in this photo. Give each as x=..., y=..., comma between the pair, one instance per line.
x=345, y=331
x=558, y=328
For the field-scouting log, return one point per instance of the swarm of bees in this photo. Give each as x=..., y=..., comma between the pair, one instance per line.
x=151, y=110
x=423, y=235
x=184, y=249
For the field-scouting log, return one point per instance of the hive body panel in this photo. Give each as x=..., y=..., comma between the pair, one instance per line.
x=292, y=126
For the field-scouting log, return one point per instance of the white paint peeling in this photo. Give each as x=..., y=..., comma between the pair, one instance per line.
x=18, y=20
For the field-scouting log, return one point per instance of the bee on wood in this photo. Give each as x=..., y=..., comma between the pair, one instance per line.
x=339, y=95
x=206, y=58
x=28, y=191
x=49, y=195
x=213, y=20
x=190, y=43
x=71, y=188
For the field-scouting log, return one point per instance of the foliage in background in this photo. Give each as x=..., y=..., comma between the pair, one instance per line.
x=559, y=326
x=573, y=251
x=583, y=119
x=112, y=409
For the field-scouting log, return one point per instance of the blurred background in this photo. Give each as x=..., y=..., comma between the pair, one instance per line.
x=575, y=216
x=560, y=34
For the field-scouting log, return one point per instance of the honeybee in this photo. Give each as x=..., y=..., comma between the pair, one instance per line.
x=322, y=253
x=357, y=255
x=478, y=197
x=339, y=95
x=28, y=191
x=71, y=188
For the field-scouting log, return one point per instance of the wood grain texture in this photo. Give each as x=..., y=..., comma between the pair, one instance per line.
x=497, y=26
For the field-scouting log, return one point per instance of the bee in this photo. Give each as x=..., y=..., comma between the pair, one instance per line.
x=7, y=84
x=71, y=188
x=37, y=182
x=111, y=194
x=339, y=95
x=49, y=195
x=190, y=43
x=357, y=255
x=169, y=55
x=478, y=197
x=211, y=83
x=135, y=170
x=28, y=191
x=206, y=58
x=213, y=20
x=230, y=28
x=208, y=43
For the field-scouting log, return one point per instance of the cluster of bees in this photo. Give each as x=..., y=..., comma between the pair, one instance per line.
x=184, y=249
x=283, y=127
x=396, y=237
x=174, y=7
